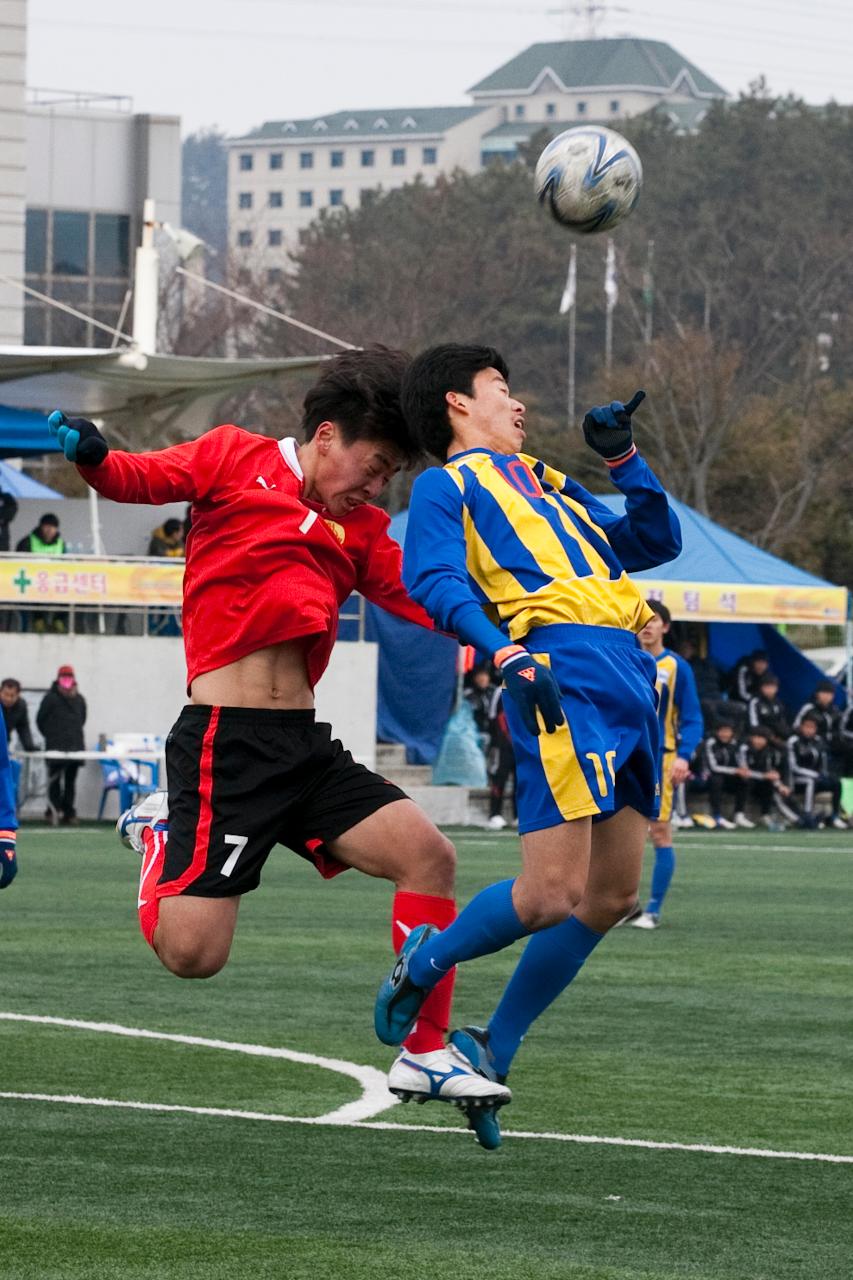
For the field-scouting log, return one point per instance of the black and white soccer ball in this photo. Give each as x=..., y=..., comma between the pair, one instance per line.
x=589, y=178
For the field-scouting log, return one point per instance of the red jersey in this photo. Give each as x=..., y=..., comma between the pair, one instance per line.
x=264, y=565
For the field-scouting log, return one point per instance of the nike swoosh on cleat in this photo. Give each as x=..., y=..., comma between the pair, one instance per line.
x=405, y=929
x=437, y=967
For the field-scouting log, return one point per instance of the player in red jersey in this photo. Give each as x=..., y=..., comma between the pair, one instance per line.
x=281, y=535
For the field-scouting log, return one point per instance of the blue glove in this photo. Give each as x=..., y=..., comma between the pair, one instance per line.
x=80, y=440
x=8, y=860
x=607, y=428
x=532, y=688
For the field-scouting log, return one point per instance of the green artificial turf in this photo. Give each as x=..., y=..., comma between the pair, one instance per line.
x=730, y=1025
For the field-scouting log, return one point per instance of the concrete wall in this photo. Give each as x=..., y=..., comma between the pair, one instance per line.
x=13, y=45
x=136, y=685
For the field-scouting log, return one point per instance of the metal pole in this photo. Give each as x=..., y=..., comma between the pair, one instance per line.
x=571, y=404
x=608, y=339
x=145, y=283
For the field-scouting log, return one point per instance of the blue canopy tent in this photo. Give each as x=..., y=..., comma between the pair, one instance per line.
x=719, y=578
x=20, y=485
x=24, y=433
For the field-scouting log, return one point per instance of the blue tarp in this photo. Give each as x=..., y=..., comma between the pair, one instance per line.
x=24, y=433
x=417, y=670
x=20, y=485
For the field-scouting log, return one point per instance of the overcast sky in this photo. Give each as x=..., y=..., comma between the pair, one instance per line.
x=236, y=63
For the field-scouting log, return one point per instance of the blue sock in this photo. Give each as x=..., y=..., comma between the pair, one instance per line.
x=661, y=876
x=551, y=960
x=488, y=923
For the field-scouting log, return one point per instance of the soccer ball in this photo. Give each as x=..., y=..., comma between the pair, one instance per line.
x=589, y=178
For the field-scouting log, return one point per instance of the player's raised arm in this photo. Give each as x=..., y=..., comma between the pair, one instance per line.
x=181, y=473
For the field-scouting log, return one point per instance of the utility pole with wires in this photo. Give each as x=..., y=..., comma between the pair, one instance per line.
x=583, y=18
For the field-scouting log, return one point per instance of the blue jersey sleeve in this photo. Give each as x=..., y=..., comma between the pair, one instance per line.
x=434, y=563
x=648, y=534
x=691, y=726
x=8, y=819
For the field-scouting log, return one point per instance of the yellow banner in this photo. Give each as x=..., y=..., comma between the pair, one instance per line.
x=32, y=581
x=740, y=602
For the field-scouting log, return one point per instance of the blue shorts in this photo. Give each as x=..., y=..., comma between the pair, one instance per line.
x=607, y=755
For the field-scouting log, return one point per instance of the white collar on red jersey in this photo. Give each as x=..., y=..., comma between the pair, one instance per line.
x=289, y=451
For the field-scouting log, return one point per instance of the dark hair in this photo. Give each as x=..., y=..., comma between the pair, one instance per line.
x=450, y=367
x=758, y=731
x=658, y=607
x=724, y=724
x=49, y=518
x=769, y=677
x=10, y=683
x=824, y=686
x=360, y=392
x=172, y=526
x=759, y=655
x=811, y=718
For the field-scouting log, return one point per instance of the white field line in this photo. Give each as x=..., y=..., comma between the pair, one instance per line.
x=387, y=1126
x=374, y=1100
x=709, y=841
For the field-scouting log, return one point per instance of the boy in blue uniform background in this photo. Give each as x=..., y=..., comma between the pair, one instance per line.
x=502, y=549
x=681, y=730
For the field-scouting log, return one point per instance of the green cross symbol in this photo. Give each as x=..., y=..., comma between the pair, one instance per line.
x=22, y=581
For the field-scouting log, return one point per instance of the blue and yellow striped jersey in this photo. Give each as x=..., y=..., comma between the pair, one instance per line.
x=679, y=712
x=521, y=545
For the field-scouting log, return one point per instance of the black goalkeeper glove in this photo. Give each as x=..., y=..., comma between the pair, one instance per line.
x=532, y=688
x=79, y=439
x=607, y=428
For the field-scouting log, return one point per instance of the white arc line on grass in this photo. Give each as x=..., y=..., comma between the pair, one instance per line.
x=375, y=1096
x=385, y=1126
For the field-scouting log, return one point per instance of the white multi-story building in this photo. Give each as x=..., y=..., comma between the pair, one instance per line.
x=281, y=175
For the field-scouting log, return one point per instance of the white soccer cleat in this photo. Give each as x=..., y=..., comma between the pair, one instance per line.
x=496, y=822
x=838, y=824
x=723, y=824
x=151, y=811
x=443, y=1075
x=682, y=822
x=646, y=921
x=742, y=821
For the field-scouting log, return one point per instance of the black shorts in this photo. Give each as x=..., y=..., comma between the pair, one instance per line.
x=242, y=780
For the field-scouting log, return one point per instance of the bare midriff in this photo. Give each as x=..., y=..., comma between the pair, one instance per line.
x=273, y=678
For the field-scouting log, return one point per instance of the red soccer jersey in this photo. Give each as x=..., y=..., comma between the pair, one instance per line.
x=264, y=565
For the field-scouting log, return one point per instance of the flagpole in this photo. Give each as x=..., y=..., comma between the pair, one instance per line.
x=610, y=294
x=571, y=404
x=649, y=292
x=567, y=304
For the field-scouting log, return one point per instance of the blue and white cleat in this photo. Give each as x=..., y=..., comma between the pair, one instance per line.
x=151, y=811
x=472, y=1045
x=444, y=1075
x=399, y=1001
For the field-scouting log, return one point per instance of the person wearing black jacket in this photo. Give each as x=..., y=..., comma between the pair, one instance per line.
x=746, y=676
x=766, y=709
x=724, y=774
x=763, y=768
x=60, y=719
x=15, y=713
x=8, y=511
x=809, y=772
x=827, y=715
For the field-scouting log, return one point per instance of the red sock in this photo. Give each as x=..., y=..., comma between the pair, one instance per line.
x=411, y=909
x=148, y=904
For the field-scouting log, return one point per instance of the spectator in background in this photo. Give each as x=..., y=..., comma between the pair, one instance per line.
x=17, y=720
x=8, y=511
x=723, y=773
x=809, y=771
x=60, y=719
x=501, y=763
x=827, y=715
x=479, y=699
x=745, y=676
x=763, y=767
x=766, y=709
x=45, y=540
x=167, y=539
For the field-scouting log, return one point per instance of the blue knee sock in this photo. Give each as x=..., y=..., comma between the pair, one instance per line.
x=551, y=960
x=661, y=876
x=488, y=923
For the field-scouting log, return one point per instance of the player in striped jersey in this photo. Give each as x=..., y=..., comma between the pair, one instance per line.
x=524, y=564
x=681, y=727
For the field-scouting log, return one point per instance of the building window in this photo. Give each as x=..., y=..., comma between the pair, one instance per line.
x=276, y=160
x=36, y=241
x=112, y=244
x=306, y=199
x=368, y=159
x=430, y=155
x=70, y=243
x=274, y=238
x=244, y=239
x=275, y=275
x=398, y=155
x=336, y=196
x=275, y=200
x=336, y=159
x=247, y=161
x=614, y=106
x=244, y=200
x=306, y=159
x=519, y=111
x=581, y=108
x=550, y=110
